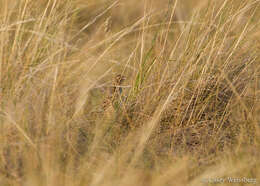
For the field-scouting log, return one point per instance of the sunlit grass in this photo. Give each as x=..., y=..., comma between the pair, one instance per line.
x=187, y=112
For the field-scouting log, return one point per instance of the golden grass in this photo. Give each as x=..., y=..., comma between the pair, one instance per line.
x=188, y=112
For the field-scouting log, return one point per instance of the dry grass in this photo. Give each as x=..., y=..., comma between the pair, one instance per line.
x=186, y=114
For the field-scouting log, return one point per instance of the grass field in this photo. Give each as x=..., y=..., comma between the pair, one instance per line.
x=144, y=93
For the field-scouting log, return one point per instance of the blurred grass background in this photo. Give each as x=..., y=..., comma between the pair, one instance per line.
x=188, y=112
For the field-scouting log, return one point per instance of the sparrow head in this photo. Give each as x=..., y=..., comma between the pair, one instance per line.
x=119, y=79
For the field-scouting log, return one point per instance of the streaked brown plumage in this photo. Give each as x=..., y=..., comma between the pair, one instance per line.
x=113, y=95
